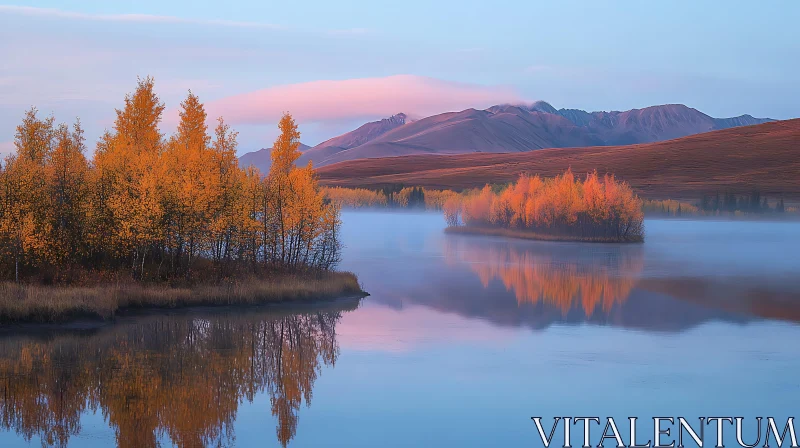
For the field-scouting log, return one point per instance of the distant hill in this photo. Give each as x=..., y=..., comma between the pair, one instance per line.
x=364, y=134
x=516, y=128
x=261, y=159
x=764, y=157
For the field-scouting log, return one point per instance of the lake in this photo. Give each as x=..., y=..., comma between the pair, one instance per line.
x=463, y=339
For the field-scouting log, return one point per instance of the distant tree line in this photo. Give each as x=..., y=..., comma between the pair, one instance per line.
x=731, y=203
x=668, y=207
x=395, y=196
x=398, y=195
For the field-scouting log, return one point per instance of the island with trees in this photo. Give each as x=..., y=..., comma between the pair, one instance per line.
x=563, y=208
x=157, y=221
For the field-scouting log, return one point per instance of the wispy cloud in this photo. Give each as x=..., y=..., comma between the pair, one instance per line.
x=320, y=101
x=32, y=11
x=134, y=18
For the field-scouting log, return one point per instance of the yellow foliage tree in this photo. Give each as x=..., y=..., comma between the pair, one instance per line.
x=128, y=161
x=191, y=183
x=224, y=225
x=67, y=177
x=25, y=223
x=161, y=208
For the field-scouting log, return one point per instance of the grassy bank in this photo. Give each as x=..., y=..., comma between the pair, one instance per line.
x=37, y=303
x=529, y=235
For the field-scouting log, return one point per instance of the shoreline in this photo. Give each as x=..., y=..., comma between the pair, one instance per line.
x=128, y=315
x=38, y=305
x=526, y=235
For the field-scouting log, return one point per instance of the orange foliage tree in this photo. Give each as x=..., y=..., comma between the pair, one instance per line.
x=159, y=207
x=595, y=208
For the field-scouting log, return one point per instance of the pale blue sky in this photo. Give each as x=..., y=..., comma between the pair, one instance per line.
x=72, y=58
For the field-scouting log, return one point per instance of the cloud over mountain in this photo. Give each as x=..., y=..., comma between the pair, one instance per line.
x=349, y=99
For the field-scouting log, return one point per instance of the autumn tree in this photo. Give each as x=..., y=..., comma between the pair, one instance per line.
x=561, y=206
x=285, y=151
x=128, y=164
x=67, y=178
x=452, y=211
x=224, y=224
x=355, y=197
x=25, y=225
x=159, y=207
x=190, y=184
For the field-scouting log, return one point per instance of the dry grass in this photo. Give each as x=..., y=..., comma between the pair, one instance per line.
x=765, y=157
x=37, y=303
x=528, y=235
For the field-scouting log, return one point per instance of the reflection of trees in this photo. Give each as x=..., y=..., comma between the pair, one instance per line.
x=554, y=277
x=180, y=377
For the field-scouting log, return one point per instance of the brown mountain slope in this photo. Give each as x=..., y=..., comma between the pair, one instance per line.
x=764, y=156
x=651, y=124
x=365, y=133
x=262, y=159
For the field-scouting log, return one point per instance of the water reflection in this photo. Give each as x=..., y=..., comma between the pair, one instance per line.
x=513, y=283
x=612, y=284
x=182, y=376
x=536, y=274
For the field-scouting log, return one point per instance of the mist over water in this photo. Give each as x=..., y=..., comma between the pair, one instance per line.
x=462, y=340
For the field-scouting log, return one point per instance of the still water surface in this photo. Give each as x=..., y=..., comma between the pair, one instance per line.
x=463, y=339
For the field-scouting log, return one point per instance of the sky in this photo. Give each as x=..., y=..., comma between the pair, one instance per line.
x=336, y=65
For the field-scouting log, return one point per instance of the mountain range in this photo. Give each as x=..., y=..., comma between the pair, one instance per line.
x=508, y=128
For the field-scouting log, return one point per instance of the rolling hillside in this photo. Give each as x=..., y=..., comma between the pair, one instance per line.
x=764, y=156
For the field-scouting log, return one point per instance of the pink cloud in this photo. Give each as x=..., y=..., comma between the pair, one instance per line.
x=320, y=101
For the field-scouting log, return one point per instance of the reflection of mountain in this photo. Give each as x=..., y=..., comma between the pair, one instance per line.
x=537, y=277
x=180, y=376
